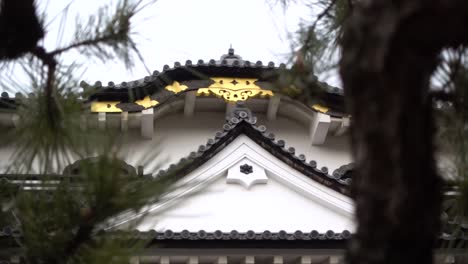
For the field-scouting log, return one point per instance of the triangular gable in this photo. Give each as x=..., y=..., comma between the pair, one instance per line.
x=242, y=122
x=246, y=187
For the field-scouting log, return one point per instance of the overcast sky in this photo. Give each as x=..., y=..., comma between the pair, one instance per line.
x=178, y=30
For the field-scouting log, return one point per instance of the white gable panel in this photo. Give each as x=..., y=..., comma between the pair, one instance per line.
x=219, y=196
x=272, y=206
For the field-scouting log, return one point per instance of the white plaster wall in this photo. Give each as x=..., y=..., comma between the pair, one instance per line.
x=226, y=207
x=175, y=136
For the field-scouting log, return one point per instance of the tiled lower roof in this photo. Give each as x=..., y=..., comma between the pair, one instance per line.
x=249, y=235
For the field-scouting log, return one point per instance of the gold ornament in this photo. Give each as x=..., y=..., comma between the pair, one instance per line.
x=234, y=89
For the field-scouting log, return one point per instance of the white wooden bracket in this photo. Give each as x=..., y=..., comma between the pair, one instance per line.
x=189, y=107
x=335, y=259
x=305, y=260
x=278, y=260
x=221, y=260
x=102, y=120
x=344, y=126
x=249, y=260
x=319, y=128
x=124, y=121
x=164, y=260
x=192, y=260
x=147, y=123
x=273, y=105
x=15, y=119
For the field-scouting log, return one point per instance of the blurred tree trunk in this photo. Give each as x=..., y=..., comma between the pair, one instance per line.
x=390, y=50
x=20, y=28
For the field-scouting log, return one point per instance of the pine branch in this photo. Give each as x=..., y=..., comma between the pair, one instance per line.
x=84, y=43
x=325, y=12
x=49, y=61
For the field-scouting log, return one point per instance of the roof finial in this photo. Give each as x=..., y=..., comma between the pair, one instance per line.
x=230, y=57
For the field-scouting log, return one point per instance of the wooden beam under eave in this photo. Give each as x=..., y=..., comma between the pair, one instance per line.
x=189, y=107
x=124, y=121
x=147, y=123
x=319, y=128
x=273, y=105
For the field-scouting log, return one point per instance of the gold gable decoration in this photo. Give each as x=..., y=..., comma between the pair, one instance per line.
x=147, y=102
x=234, y=89
x=176, y=87
x=111, y=107
x=320, y=108
x=105, y=107
x=230, y=89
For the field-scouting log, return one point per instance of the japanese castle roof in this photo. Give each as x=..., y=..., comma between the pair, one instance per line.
x=259, y=79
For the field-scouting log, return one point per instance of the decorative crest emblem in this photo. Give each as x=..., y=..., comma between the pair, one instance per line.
x=246, y=169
